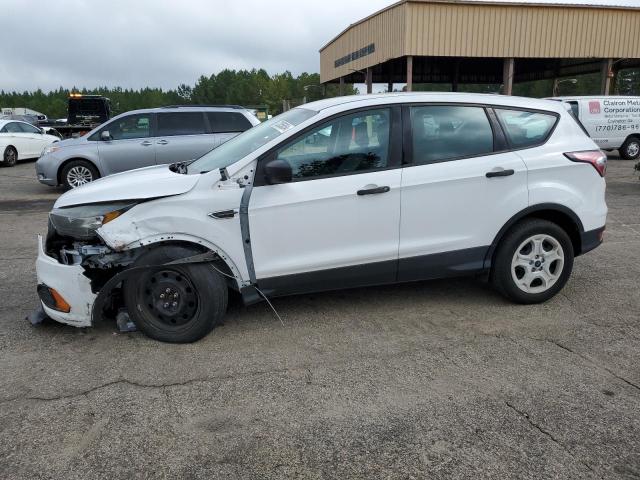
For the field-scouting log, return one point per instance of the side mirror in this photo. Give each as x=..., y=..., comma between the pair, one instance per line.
x=105, y=136
x=278, y=171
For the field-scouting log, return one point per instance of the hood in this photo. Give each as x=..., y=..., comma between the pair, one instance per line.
x=143, y=183
x=70, y=142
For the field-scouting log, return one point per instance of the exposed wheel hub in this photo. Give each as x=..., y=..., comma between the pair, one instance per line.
x=170, y=296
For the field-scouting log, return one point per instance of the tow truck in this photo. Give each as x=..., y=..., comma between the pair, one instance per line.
x=84, y=113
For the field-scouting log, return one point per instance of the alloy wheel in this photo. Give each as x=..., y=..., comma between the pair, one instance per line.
x=10, y=156
x=79, y=175
x=537, y=263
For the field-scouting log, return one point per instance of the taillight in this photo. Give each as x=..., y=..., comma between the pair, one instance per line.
x=597, y=158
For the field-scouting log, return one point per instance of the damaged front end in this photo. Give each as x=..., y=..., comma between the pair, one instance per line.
x=74, y=264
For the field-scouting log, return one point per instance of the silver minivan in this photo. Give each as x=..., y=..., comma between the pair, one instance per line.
x=141, y=138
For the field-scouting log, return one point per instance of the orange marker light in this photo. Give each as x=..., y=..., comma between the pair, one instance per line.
x=61, y=303
x=110, y=216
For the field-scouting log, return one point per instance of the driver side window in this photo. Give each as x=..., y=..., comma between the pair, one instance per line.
x=349, y=144
x=131, y=126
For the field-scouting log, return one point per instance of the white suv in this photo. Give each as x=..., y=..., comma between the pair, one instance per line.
x=339, y=193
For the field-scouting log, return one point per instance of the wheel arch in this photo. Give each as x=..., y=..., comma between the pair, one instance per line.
x=562, y=216
x=227, y=265
x=4, y=149
x=73, y=159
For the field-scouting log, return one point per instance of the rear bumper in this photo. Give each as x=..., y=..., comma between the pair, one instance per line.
x=591, y=239
x=69, y=281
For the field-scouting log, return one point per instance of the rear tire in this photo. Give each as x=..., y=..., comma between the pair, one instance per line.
x=77, y=173
x=630, y=149
x=177, y=303
x=9, y=157
x=533, y=261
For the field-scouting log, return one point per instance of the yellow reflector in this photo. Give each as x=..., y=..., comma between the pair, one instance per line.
x=61, y=303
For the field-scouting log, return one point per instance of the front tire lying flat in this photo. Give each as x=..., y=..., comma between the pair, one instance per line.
x=533, y=261
x=177, y=303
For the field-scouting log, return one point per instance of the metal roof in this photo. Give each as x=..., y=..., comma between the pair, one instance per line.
x=483, y=29
x=492, y=3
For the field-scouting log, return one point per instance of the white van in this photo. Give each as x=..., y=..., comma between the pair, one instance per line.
x=612, y=122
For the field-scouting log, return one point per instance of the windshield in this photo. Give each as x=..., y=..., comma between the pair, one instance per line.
x=245, y=143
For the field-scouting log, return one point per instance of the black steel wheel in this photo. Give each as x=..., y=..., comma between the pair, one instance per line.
x=169, y=297
x=177, y=304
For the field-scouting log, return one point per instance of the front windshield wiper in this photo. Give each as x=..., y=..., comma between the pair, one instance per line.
x=181, y=167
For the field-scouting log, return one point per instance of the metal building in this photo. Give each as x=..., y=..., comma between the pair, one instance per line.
x=460, y=41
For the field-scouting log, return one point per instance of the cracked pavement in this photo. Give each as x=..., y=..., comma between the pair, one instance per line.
x=440, y=379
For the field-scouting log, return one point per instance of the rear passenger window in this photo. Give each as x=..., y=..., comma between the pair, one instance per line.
x=228, y=122
x=180, y=123
x=526, y=129
x=446, y=132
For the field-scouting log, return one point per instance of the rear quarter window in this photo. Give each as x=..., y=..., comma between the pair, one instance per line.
x=228, y=122
x=525, y=128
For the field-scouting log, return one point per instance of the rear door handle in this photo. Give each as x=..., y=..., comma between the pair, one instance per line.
x=146, y=143
x=162, y=142
x=500, y=173
x=372, y=190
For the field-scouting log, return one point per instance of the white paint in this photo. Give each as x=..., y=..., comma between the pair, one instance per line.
x=149, y=182
x=453, y=205
x=70, y=282
x=320, y=224
x=27, y=144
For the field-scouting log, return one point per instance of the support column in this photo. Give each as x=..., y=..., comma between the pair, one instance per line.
x=409, y=73
x=369, y=80
x=507, y=76
x=606, y=72
x=456, y=75
x=341, y=88
x=390, y=87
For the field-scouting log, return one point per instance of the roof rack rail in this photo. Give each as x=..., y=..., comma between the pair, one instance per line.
x=199, y=105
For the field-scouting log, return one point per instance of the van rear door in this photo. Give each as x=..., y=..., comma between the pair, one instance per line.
x=605, y=123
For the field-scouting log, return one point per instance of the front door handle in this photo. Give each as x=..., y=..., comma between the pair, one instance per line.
x=162, y=142
x=146, y=143
x=500, y=173
x=372, y=190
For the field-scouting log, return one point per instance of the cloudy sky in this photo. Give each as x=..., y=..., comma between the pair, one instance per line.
x=162, y=43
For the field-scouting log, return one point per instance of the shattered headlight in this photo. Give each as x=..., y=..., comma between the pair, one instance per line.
x=82, y=222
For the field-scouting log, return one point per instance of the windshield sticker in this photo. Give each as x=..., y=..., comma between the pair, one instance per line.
x=282, y=126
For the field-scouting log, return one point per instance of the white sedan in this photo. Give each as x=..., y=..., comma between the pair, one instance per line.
x=21, y=140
